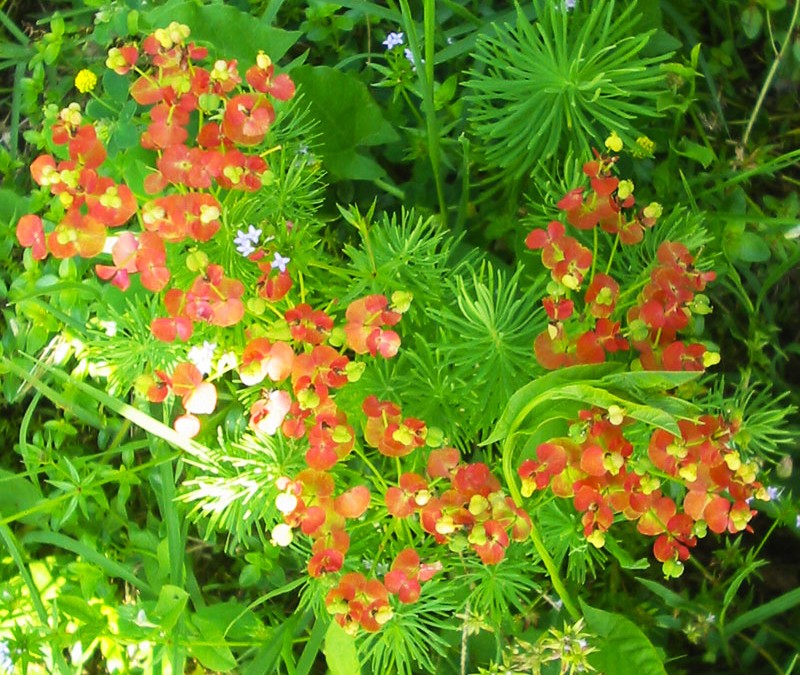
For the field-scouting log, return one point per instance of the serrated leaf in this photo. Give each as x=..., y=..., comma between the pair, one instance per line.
x=347, y=118
x=340, y=651
x=623, y=648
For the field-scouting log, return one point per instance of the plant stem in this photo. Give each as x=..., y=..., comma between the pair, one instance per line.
x=425, y=74
x=771, y=75
x=536, y=538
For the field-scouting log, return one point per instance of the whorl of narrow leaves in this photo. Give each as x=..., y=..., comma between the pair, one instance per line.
x=568, y=75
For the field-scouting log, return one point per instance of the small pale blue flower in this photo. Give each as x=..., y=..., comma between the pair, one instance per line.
x=244, y=243
x=393, y=40
x=253, y=233
x=774, y=492
x=279, y=262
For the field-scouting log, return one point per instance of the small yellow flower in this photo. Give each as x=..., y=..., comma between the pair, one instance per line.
x=625, y=189
x=653, y=210
x=614, y=142
x=85, y=81
x=646, y=145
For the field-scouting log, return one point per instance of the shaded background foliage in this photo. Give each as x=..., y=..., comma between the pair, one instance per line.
x=432, y=140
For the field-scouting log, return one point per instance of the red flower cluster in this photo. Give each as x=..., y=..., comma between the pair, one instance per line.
x=664, y=306
x=360, y=602
x=193, y=161
x=365, y=328
x=604, y=479
x=314, y=369
x=90, y=202
x=198, y=397
x=472, y=512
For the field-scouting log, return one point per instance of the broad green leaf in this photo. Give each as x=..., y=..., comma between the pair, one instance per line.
x=170, y=605
x=642, y=380
x=17, y=496
x=523, y=397
x=604, y=399
x=348, y=118
x=12, y=206
x=699, y=153
x=218, y=656
x=746, y=247
x=79, y=609
x=752, y=20
x=340, y=651
x=241, y=35
x=623, y=648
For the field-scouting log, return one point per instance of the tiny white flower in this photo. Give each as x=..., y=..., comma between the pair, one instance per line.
x=393, y=40
x=279, y=262
x=282, y=535
x=797, y=522
x=201, y=356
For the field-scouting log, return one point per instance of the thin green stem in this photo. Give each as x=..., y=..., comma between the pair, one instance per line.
x=594, y=254
x=536, y=538
x=391, y=189
x=425, y=75
x=7, y=536
x=771, y=75
x=611, y=255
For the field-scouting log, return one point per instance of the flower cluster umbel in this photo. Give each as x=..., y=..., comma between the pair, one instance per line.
x=688, y=483
x=583, y=304
x=204, y=127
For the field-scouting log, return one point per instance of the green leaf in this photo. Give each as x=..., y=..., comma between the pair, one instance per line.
x=18, y=495
x=782, y=603
x=116, y=86
x=12, y=206
x=79, y=609
x=170, y=605
x=670, y=598
x=218, y=656
x=624, y=649
x=752, y=20
x=604, y=399
x=746, y=247
x=699, y=153
x=542, y=385
x=340, y=651
x=348, y=118
x=648, y=380
x=624, y=558
x=242, y=35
